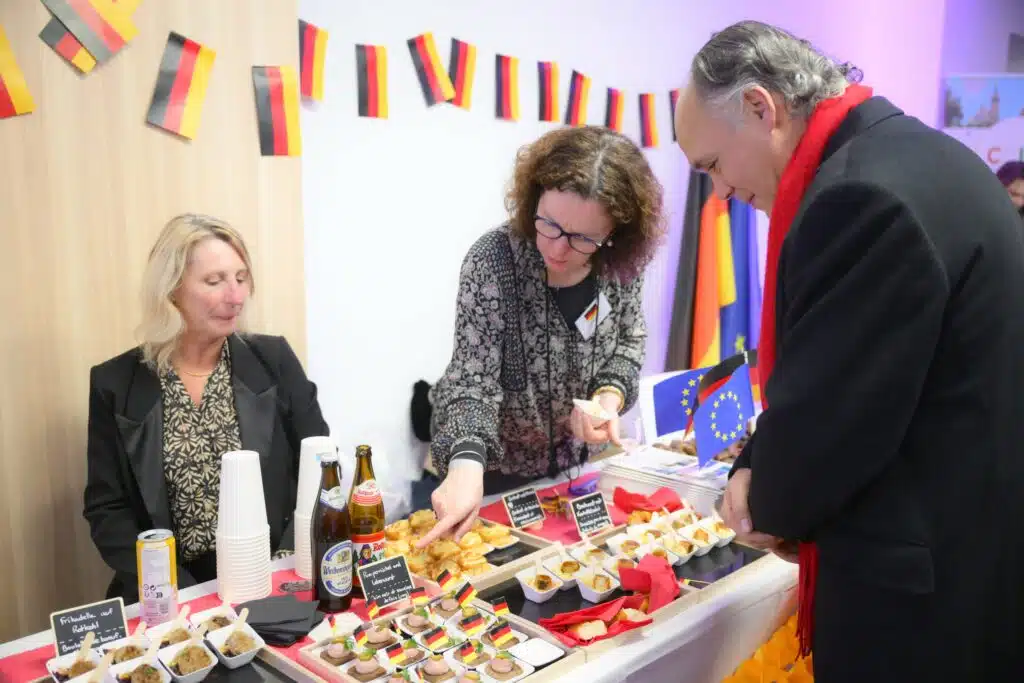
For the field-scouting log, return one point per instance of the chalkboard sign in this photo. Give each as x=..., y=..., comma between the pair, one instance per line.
x=386, y=581
x=523, y=507
x=105, y=619
x=590, y=513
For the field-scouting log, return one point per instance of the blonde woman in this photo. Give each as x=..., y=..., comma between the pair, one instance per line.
x=162, y=414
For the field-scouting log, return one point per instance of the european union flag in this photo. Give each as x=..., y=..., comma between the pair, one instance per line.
x=674, y=399
x=721, y=419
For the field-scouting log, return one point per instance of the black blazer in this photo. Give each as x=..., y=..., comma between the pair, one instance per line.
x=125, y=491
x=895, y=422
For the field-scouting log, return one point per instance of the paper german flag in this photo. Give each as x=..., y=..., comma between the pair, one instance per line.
x=312, y=53
x=591, y=313
x=277, y=109
x=501, y=634
x=547, y=76
x=461, y=69
x=395, y=653
x=445, y=580
x=102, y=27
x=500, y=607
x=359, y=635
x=436, y=85
x=576, y=107
x=506, y=87
x=372, y=610
x=181, y=86
x=467, y=652
x=465, y=594
x=372, y=74
x=472, y=625
x=648, y=126
x=15, y=99
x=435, y=638
x=67, y=46
x=419, y=596
x=614, y=109
x=673, y=100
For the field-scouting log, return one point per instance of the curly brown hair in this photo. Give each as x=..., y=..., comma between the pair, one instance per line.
x=595, y=163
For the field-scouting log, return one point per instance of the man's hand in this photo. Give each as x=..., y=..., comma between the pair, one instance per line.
x=736, y=515
x=456, y=501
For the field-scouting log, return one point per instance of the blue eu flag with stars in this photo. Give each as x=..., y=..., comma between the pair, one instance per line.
x=674, y=399
x=722, y=417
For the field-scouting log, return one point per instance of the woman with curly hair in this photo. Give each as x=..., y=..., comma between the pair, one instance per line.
x=548, y=310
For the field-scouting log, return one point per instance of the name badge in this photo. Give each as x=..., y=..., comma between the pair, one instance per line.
x=594, y=315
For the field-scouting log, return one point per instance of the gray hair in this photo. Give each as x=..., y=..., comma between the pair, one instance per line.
x=751, y=53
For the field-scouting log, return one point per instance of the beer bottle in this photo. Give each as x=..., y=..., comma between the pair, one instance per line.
x=366, y=510
x=331, y=542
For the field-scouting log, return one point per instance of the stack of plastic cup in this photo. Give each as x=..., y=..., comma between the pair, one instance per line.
x=243, y=535
x=305, y=499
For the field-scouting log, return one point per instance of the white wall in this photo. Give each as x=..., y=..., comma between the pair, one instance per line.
x=391, y=206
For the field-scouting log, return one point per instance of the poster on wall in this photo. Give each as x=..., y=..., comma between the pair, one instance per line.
x=986, y=113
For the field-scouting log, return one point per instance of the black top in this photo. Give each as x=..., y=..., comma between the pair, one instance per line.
x=573, y=301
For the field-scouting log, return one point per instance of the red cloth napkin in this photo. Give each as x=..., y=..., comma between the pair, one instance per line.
x=662, y=498
x=654, y=576
x=606, y=611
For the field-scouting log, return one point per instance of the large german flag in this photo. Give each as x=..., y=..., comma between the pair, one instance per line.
x=101, y=26
x=506, y=87
x=181, y=86
x=648, y=124
x=67, y=46
x=372, y=75
x=461, y=69
x=312, y=52
x=673, y=99
x=614, y=109
x=437, y=86
x=15, y=99
x=277, y=108
x=576, y=107
x=547, y=75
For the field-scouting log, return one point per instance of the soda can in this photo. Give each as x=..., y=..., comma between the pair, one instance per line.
x=158, y=576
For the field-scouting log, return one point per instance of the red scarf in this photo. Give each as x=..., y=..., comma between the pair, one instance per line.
x=796, y=178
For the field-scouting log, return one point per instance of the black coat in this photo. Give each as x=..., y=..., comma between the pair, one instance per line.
x=126, y=493
x=895, y=422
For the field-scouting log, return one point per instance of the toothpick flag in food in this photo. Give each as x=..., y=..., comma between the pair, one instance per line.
x=461, y=70
x=15, y=98
x=67, y=46
x=614, y=109
x=436, y=85
x=576, y=107
x=673, y=99
x=648, y=125
x=177, y=103
x=277, y=109
x=372, y=74
x=312, y=53
x=547, y=75
x=506, y=87
x=101, y=26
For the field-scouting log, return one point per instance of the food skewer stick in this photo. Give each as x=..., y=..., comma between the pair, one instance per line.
x=83, y=651
x=97, y=675
x=197, y=635
x=240, y=624
x=150, y=656
x=181, y=620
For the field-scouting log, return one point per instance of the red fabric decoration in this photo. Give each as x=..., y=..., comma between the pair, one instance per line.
x=663, y=498
x=606, y=611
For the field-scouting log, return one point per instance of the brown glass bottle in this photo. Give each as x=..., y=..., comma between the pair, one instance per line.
x=366, y=512
x=331, y=541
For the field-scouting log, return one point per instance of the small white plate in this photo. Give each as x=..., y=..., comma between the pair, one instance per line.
x=168, y=654
x=387, y=666
x=114, y=673
x=677, y=549
x=219, y=611
x=158, y=632
x=218, y=638
x=527, y=671
x=142, y=642
x=583, y=552
x=432, y=618
x=611, y=565
x=454, y=661
x=456, y=670
x=519, y=636
x=67, y=660
x=553, y=564
x=703, y=547
x=536, y=652
x=588, y=592
x=525, y=580
x=452, y=624
x=453, y=640
x=724, y=539
x=649, y=549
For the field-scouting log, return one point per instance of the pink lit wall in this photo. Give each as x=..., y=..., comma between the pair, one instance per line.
x=977, y=33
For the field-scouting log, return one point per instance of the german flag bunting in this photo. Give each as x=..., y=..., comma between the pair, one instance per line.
x=576, y=107
x=277, y=108
x=67, y=46
x=372, y=74
x=437, y=86
x=547, y=75
x=648, y=126
x=673, y=99
x=614, y=109
x=101, y=26
x=181, y=86
x=15, y=99
x=506, y=87
x=312, y=53
x=461, y=70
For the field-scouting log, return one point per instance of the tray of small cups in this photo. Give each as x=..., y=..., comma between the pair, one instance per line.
x=699, y=536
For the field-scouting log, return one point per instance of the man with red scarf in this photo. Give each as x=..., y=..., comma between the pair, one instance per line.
x=888, y=460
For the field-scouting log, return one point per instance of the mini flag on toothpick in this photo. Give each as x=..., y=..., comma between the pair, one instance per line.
x=445, y=580
x=330, y=620
x=312, y=53
x=181, y=86
x=101, y=26
x=372, y=610
x=277, y=108
x=506, y=87
x=547, y=76
x=576, y=107
x=673, y=100
x=648, y=126
x=468, y=652
x=15, y=99
x=465, y=594
x=437, y=86
x=501, y=634
x=472, y=625
x=435, y=638
x=395, y=653
x=372, y=75
x=500, y=607
x=614, y=109
x=461, y=69
x=359, y=635
x=67, y=46
x=419, y=596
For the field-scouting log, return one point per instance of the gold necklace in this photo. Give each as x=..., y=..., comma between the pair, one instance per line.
x=197, y=374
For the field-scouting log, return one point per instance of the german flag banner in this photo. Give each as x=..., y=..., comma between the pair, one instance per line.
x=461, y=69
x=648, y=126
x=576, y=107
x=15, y=99
x=547, y=75
x=506, y=87
x=614, y=109
x=437, y=86
x=181, y=86
x=673, y=99
x=277, y=109
x=101, y=26
x=67, y=46
x=372, y=74
x=312, y=52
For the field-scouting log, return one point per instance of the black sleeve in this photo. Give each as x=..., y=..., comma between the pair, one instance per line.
x=865, y=295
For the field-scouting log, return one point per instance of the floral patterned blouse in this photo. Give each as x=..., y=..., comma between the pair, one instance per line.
x=195, y=438
x=495, y=393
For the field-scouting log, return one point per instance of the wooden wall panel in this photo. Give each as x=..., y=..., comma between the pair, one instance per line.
x=85, y=185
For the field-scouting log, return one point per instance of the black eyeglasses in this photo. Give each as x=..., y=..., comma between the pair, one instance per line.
x=581, y=243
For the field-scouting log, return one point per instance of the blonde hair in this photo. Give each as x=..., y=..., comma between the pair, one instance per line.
x=162, y=324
